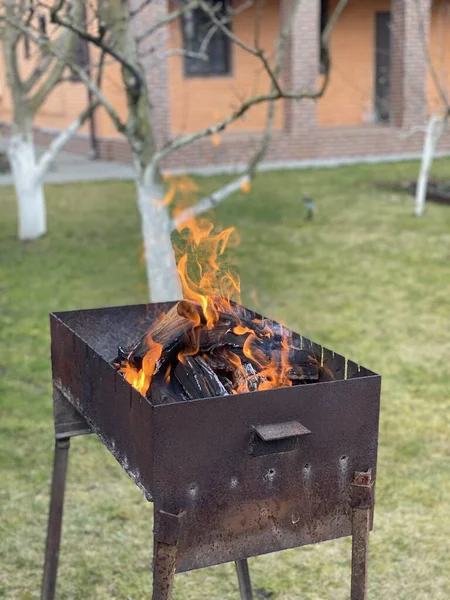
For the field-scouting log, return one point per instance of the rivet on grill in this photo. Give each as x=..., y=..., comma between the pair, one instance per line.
x=270, y=475
x=307, y=473
x=343, y=468
x=193, y=489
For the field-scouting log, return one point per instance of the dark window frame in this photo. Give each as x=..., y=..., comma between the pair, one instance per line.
x=382, y=105
x=218, y=65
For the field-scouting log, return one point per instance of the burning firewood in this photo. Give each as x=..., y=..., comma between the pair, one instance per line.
x=198, y=379
x=183, y=357
x=168, y=331
x=207, y=345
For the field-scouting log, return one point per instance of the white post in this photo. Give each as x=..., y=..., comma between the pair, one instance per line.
x=435, y=127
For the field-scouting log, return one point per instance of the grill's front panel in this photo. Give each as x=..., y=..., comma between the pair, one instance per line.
x=288, y=493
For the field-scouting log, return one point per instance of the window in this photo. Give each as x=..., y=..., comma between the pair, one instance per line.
x=196, y=28
x=323, y=24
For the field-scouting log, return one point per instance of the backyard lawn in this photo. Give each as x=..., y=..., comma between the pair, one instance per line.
x=364, y=277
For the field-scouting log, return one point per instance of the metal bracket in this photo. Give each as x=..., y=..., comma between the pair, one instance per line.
x=362, y=490
x=166, y=536
x=167, y=527
x=68, y=421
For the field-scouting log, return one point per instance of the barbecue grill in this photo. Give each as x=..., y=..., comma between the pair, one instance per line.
x=231, y=477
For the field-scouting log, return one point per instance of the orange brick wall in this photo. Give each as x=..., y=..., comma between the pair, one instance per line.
x=439, y=51
x=197, y=102
x=349, y=98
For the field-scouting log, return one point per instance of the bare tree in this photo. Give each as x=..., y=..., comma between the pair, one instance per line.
x=437, y=120
x=28, y=95
x=111, y=31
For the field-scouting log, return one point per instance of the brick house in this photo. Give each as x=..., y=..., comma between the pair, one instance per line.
x=380, y=87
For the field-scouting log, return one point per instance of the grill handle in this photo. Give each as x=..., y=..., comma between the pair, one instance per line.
x=276, y=438
x=281, y=431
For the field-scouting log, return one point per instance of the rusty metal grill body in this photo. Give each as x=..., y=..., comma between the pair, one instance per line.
x=230, y=477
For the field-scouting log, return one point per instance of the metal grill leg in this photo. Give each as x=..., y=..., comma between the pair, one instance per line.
x=55, y=518
x=245, y=586
x=164, y=565
x=360, y=552
x=167, y=531
x=362, y=503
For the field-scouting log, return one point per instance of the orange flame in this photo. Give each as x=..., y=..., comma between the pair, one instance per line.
x=141, y=378
x=205, y=281
x=273, y=371
x=246, y=186
x=200, y=272
x=181, y=186
x=242, y=330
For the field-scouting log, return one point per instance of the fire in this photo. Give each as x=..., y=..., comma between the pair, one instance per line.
x=202, y=278
x=242, y=330
x=210, y=290
x=141, y=378
x=272, y=371
x=246, y=186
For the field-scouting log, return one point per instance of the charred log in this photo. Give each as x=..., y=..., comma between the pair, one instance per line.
x=239, y=352
x=198, y=379
x=169, y=331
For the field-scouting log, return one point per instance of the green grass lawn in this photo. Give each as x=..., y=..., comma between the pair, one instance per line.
x=365, y=278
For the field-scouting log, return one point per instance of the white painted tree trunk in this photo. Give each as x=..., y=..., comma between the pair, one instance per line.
x=32, y=219
x=162, y=275
x=435, y=127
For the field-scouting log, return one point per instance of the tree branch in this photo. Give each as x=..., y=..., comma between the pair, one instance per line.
x=61, y=140
x=98, y=40
x=120, y=126
x=218, y=196
x=43, y=66
x=209, y=202
x=426, y=50
x=276, y=92
x=10, y=38
x=182, y=141
x=68, y=40
x=172, y=16
x=325, y=38
x=134, y=13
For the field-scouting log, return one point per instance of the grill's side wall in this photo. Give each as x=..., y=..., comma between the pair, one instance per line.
x=120, y=416
x=238, y=505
